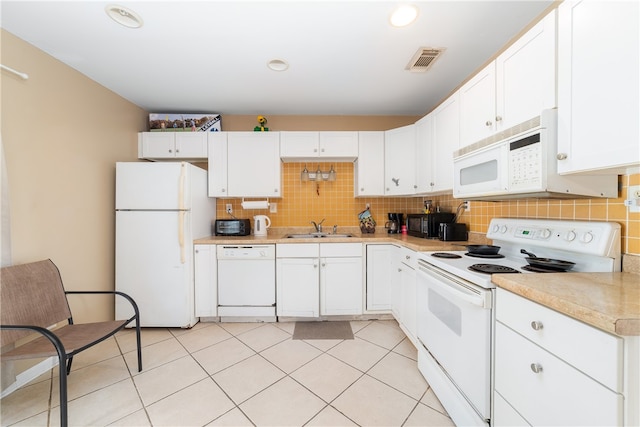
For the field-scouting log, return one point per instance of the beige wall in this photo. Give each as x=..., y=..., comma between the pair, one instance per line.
x=62, y=134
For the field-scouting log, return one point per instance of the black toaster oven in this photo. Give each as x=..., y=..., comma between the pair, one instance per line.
x=232, y=227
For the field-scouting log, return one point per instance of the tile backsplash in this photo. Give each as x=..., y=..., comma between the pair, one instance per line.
x=303, y=202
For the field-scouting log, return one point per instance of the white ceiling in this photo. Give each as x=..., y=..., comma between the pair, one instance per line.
x=211, y=56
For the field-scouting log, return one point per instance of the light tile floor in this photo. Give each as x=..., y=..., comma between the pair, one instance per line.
x=238, y=374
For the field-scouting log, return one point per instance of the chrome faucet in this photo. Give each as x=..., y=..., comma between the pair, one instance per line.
x=318, y=226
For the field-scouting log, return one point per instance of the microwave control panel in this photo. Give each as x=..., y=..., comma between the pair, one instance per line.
x=525, y=163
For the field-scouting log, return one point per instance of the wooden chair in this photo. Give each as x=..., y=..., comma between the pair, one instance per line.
x=33, y=300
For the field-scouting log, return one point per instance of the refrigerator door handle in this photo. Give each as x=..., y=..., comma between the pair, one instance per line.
x=181, y=235
x=181, y=212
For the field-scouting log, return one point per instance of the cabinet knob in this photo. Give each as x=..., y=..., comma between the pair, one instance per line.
x=536, y=325
x=361, y=189
x=488, y=123
x=177, y=151
x=170, y=150
x=315, y=150
x=399, y=270
x=407, y=257
x=498, y=118
x=561, y=156
x=322, y=150
x=324, y=264
x=223, y=190
x=275, y=190
x=536, y=368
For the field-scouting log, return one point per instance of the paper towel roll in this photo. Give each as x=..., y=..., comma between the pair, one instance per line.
x=261, y=204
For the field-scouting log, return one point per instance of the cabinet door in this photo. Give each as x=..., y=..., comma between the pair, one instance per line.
x=253, y=160
x=409, y=298
x=191, y=145
x=299, y=145
x=369, y=167
x=526, y=75
x=478, y=106
x=379, y=277
x=297, y=287
x=156, y=145
x=424, y=149
x=205, y=275
x=399, y=158
x=396, y=288
x=217, y=173
x=598, y=86
x=446, y=140
x=341, y=286
x=339, y=145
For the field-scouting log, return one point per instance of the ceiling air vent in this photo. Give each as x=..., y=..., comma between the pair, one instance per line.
x=424, y=59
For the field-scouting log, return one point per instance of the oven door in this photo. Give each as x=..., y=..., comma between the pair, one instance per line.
x=484, y=172
x=454, y=325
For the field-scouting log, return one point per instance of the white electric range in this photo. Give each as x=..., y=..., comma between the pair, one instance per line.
x=455, y=303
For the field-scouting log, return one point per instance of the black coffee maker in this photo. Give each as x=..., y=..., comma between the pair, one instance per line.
x=395, y=222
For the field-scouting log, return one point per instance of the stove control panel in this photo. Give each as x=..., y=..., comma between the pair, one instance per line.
x=588, y=237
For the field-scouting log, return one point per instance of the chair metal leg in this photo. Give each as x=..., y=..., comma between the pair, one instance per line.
x=69, y=365
x=63, y=395
x=139, y=342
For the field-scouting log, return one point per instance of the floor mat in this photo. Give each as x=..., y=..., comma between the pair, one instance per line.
x=339, y=330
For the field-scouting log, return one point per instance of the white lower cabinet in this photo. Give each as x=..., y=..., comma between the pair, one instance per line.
x=298, y=280
x=554, y=370
x=379, y=277
x=319, y=279
x=205, y=280
x=404, y=292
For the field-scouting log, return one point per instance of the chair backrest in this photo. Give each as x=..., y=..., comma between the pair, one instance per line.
x=31, y=294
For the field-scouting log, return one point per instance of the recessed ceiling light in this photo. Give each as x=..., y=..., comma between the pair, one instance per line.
x=124, y=16
x=403, y=15
x=278, y=65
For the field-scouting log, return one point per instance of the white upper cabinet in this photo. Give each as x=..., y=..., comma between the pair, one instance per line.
x=323, y=145
x=250, y=168
x=446, y=140
x=172, y=145
x=217, y=172
x=478, y=106
x=514, y=88
x=598, y=86
x=368, y=179
x=400, y=161
x=526, y=75
x=424, y=149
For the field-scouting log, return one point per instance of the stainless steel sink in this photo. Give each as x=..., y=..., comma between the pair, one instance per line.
x=317, y=235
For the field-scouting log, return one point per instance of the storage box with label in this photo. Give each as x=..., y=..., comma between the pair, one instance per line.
x=186, y=122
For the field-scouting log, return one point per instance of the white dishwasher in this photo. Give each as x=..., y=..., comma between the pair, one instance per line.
x=247, y=282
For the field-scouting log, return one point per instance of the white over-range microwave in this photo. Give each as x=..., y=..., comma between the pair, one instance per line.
x=523, y=165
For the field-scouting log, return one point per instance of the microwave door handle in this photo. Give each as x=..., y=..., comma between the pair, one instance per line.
x=455, y=288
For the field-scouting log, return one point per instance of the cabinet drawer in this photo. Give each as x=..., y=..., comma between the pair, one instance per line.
x=341, y=250
x=298, y=250
x=594, y=352
x=409, y=257
x=558, y=394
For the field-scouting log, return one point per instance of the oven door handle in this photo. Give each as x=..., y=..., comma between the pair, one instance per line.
x=456, y=287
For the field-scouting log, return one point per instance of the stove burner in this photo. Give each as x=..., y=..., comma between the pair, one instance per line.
x=445, y=255
x=542, y=270
x=484, y=255
x=492, y=268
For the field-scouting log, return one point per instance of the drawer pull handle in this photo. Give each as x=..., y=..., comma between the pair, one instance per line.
x=536, y=368
x=536, y=325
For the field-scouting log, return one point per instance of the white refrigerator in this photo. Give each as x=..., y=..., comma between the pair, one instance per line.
x=160, y=209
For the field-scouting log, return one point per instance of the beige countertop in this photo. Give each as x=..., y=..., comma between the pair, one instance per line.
x=608, y=301
x=414, y=243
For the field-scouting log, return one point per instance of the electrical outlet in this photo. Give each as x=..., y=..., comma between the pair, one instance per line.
x=273, y=207
x=467, y=206
x=229, y=208
x=633, y=198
